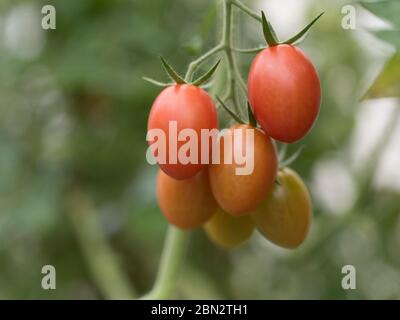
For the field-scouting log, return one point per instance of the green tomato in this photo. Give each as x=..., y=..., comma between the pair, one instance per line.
x=228, y=231
x=285, y=216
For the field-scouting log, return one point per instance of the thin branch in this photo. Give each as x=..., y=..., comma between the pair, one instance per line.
x=102, y=263
x=194, y=64
x=171, y=259
x=246, y=9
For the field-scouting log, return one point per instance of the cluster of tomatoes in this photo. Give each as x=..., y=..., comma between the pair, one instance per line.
x=284, y=97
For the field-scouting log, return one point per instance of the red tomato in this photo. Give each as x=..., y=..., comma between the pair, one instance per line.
x=188, y=203
x=284, y=92
x=192, y=108
x=239, y=194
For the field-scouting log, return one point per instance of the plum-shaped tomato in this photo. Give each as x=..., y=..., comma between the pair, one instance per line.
x=180, y=107
x=284, y=92
x=238, y=192
x=228, y=231
x=285, y=216
x=188, y=203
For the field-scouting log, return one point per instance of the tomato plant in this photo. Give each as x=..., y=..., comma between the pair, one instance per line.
x=189, y=107
x=227, y=231
x=284, y=92
x=238, y=189
x=239, y=194
x=187, y=203
x=285, y=216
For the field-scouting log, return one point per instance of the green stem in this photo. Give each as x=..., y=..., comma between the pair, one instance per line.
x=102, y=263
x=194, y=64
x=227, y=40
x=246, y=9
x=172, y=256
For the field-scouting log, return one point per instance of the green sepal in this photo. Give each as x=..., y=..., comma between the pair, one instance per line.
x=171, y=72
x=252, y=119
x=302, y=32
x=158, y=83
x=230, y=112
x=249, y=51
x=282, y=152
x=205, y=77
x=269, y=33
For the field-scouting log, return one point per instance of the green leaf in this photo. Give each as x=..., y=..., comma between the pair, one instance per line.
x=157, y=83
x=388, y=10
x=390, y=36
x=205, y=77
x=304, y=31
x=171, y=72
x=388, y=82
x=252, y=119
x=269, y=33
x=230, y=112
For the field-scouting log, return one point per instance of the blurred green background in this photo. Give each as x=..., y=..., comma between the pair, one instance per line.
x=76, y=191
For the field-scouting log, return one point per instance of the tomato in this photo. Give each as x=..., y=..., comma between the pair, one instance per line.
x=188, y=203
x=239, y=194
x=284, y=92
x=285, y=216
x=227, y=231
x=190, y=107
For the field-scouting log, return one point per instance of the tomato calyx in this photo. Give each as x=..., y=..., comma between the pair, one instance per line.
x=171, y=72
x=271, y=37
x=178, y=79
x=230, y=112
x=250, y=115
x=251, y=119
x=269, y=32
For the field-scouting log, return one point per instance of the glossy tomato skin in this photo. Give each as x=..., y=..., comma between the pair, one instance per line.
x=191, y=107
x=285, y=216
x=284, y=92
x=187, y=204
x=240, y=194
x=228, y=231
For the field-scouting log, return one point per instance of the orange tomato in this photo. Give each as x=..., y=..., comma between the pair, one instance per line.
x=188, y=203
x=240, y=194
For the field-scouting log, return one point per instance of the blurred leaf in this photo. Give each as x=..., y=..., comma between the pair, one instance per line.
x=388, y=82
x=388, y=10
x=390, y=36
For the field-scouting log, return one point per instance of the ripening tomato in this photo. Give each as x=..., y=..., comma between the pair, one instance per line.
x=239, y=185
x=228, y=231
x=285, y=216
x=188, y=203
x=284, y=92
x=179, y=107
